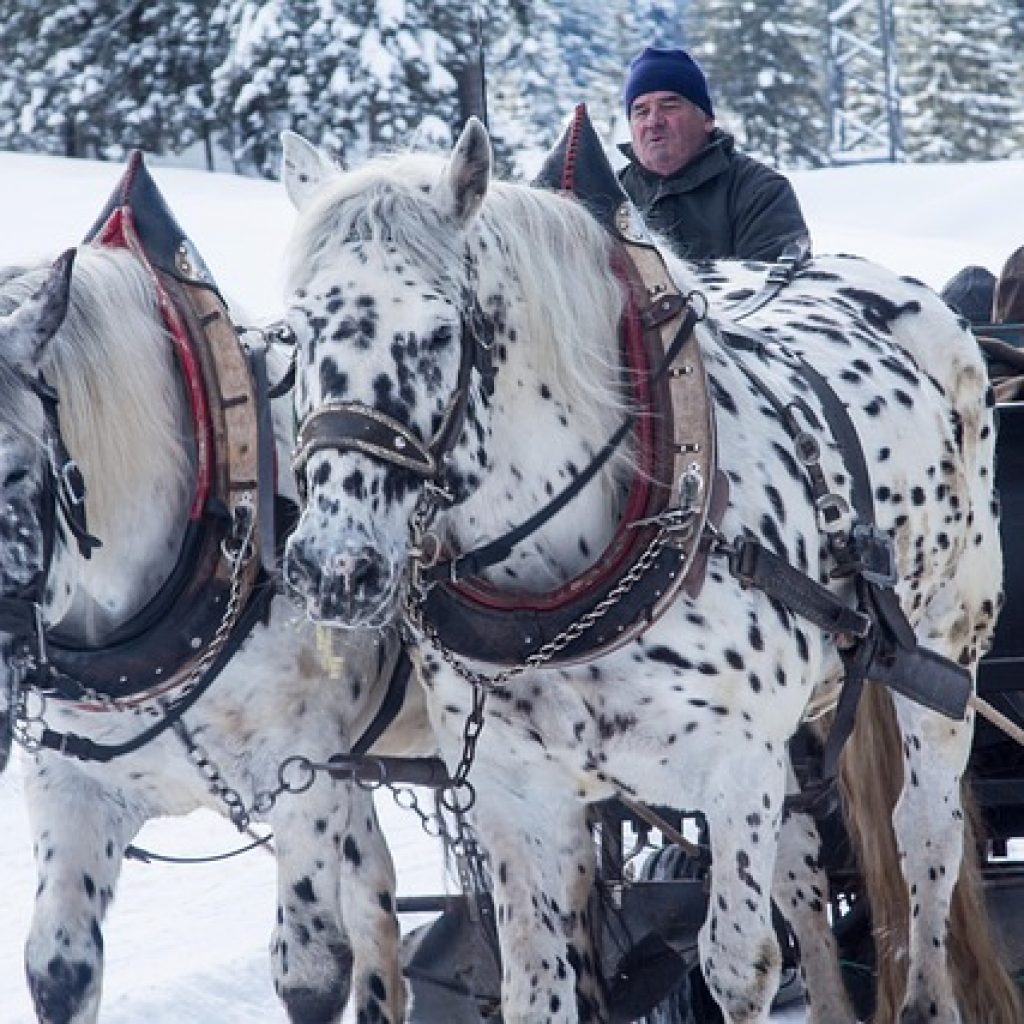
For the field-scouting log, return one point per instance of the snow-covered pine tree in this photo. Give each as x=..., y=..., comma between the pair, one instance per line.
x=63, y=62
x=161, y=64
x=21, y=86
x=766, y=73
x=528, y=80
x=960, y=79
x=259, y=88
x=403, y=57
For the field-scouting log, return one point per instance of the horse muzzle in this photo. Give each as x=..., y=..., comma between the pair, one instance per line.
x=349, y=585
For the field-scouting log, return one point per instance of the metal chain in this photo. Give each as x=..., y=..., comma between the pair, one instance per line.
x=405, y=798
x=481, y=682
x=238, y=550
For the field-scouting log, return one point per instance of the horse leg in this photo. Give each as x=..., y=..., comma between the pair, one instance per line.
x=336, y=932
x=929, y=827
x=800, y=889
x=543, y=867
x=738, y=949
x=80, y=832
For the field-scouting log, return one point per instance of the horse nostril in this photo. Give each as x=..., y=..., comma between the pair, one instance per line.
x=299, y=567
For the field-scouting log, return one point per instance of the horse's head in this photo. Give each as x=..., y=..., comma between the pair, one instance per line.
x=383, y=308
x=26, y=425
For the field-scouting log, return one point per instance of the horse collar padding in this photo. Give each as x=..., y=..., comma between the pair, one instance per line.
x=692, y=465
x=658, y=545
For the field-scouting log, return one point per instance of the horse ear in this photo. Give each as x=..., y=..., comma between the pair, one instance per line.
x=469, y=170
x=25, y=331
x=304, y=168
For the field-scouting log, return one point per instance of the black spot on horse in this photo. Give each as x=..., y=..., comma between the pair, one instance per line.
x=667, y=656
x=333, y=382
x=304, y=890
x=351, y=851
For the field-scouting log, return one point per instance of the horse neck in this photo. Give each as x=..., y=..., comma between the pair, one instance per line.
x=557, y=400
x=125, y=420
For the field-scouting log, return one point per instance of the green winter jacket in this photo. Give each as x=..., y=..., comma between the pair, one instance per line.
x=722, y=204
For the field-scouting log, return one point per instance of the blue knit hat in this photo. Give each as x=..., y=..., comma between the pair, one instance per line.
x=667, y=70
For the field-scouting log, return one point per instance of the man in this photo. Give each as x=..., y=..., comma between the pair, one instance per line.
x=686, y=176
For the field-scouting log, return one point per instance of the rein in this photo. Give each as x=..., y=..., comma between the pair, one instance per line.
x=474, y=562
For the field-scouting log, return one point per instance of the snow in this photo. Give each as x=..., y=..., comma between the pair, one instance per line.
x=188, y=943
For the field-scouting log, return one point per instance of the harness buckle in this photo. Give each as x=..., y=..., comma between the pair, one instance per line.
x=834, y=511
x=72, y=483
x=875, y=552
x=743, y=560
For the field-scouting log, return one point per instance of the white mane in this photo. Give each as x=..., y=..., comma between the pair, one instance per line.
x=112, y=366
x=541, y=250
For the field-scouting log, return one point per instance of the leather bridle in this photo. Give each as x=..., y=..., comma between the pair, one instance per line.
x=356, y=427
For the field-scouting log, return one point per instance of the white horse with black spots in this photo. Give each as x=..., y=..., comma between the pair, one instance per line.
x=125, y=420
x=390, y=267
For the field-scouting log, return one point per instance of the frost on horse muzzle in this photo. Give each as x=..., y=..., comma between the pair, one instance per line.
x=343, y=578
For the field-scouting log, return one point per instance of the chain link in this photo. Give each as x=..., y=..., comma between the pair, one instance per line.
x=481, y=682
x=238, y=550
x=405, y=798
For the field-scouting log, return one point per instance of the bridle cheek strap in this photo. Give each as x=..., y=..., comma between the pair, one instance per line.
x=357, y=427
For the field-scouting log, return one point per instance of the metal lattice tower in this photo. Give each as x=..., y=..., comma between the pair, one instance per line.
x=864, y=101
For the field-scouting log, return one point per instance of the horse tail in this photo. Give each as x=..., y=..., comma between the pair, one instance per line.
x=871, y=779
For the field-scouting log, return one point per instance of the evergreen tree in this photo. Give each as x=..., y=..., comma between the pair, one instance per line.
x=59, y=83
x=97, y=77
x=960, y=79
x=259, y=88
x=163, y=101
x=19, y=58
x=528, y=79
x=402, y=61
x=765, y=67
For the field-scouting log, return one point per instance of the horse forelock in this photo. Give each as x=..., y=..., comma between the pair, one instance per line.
x=111, y=366
x=390, y=203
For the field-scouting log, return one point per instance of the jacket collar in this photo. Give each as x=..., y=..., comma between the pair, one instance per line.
x=711, y=161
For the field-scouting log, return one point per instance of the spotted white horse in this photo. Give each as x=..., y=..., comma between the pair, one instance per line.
x=125, y=421
x=395, y=270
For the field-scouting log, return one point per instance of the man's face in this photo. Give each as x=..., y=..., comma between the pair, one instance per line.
x=667, y=130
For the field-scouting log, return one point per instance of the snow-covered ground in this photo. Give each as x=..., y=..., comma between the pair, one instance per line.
x=187, y=945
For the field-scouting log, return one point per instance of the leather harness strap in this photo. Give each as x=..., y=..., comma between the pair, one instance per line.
x=780, y=273
x=627, y=588
x=155, y=654
x=877, y=640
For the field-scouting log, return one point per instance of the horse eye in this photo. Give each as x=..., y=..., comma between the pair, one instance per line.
x=441, y=336
x=15, y=477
